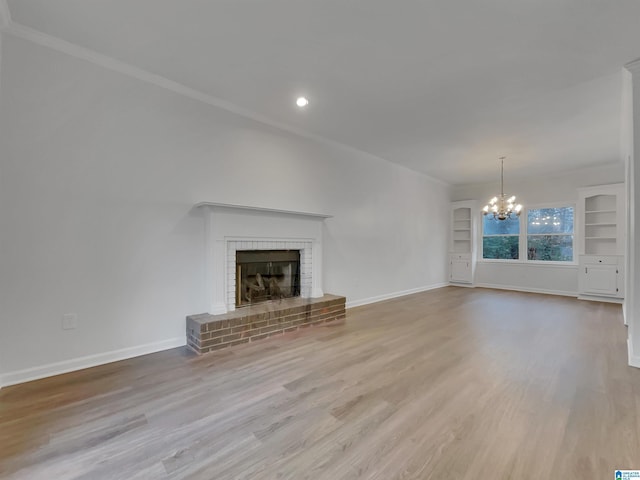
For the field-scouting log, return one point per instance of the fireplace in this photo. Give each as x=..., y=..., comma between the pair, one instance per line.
x=234, y=229
x=255, y=256
x=263, y=275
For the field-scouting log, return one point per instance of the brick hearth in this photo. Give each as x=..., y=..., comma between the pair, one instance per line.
x=212, y=332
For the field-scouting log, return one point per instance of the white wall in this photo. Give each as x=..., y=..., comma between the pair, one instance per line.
x=633, y=175
x=100, y=173
x=626, y=155
x=532, y=192
x=2, y=367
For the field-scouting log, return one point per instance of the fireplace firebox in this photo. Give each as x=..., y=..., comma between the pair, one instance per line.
x=263, y=275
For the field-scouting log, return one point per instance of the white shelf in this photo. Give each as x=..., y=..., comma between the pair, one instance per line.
x=601, y=217
x=600, y=211
x=462, y=240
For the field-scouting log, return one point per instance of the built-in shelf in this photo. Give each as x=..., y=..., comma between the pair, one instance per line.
x=600, y=231
x=462, y=240
x=461, y=230
x=601, y=242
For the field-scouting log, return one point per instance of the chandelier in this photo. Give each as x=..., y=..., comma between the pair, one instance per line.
x=502, y=207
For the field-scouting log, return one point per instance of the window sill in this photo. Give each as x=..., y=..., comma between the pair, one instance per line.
x=529, y=263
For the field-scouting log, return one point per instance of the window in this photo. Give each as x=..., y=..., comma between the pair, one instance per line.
x=550, y=234
x=500, y=238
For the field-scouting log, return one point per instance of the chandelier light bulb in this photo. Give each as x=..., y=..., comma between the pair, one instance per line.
x=302, y=102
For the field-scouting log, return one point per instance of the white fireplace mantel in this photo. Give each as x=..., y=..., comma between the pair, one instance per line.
x=260, y=209
x=229, y=228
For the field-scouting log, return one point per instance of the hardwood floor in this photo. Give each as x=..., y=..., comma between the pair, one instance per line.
x=452, y=383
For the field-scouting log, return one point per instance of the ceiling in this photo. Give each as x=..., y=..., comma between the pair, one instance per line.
x=443, y=87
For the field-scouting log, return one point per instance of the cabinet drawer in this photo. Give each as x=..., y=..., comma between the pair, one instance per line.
x=599, y=260
x=460, y=257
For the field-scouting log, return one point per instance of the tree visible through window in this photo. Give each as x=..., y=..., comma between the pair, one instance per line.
x=550, y=234
x=500, y=238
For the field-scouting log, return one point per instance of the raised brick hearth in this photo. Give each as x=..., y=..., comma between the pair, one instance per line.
x=212, y=332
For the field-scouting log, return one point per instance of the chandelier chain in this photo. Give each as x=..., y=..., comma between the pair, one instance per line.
x=502, y=175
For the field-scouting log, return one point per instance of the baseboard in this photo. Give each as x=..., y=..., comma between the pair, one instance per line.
x=595, y=298
x=634, y=360
x=624, y=312
x=465, y=285
x=35, y=373
x=528, y=290
x=389, y=296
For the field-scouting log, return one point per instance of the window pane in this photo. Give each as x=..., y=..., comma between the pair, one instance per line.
x=556, y=248
x=505, y=247
x=550, y=220
x=491, y=226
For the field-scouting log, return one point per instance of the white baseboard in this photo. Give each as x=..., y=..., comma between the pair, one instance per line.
x=389, y=296
x=634, y=360
x=527, y=289
x=595, y=298
x=35, y=373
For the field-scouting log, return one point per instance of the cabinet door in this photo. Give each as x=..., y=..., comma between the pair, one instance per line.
x=601, y=279
x=460, y=270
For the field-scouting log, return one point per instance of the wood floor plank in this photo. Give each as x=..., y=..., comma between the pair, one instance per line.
x=451, y=383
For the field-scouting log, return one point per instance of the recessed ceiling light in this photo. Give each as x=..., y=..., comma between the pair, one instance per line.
x=302, y=102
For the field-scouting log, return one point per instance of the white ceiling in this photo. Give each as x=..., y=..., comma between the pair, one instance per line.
x=444, y=87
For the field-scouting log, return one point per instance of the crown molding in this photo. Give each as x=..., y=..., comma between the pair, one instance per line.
x=5, y=14
x=124, y=68
x=110, y=63
x=633, y=66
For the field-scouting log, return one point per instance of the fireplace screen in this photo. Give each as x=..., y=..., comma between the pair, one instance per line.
x=263, y=275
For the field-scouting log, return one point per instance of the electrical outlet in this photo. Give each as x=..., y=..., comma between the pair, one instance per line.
x=69, y=321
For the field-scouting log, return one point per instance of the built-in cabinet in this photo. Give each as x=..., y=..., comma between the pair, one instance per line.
x=601, y=212
x=462, y=256
x=601, y=275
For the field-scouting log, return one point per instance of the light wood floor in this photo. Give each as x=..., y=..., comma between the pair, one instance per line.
x=453, y=383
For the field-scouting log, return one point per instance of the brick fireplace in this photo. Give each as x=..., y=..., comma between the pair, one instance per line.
x=233, y=228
